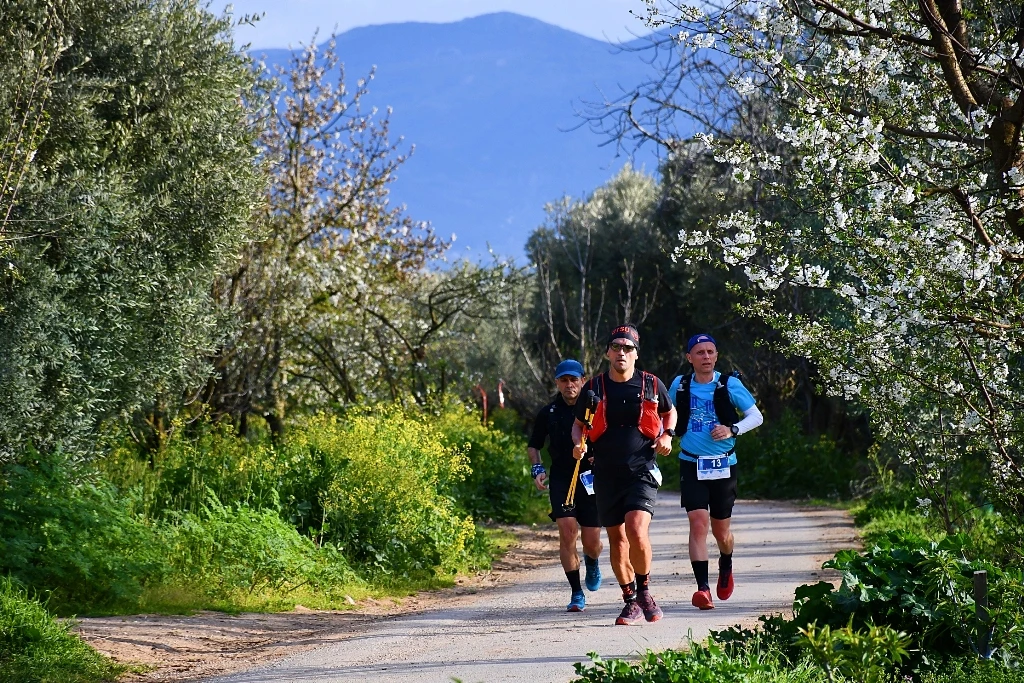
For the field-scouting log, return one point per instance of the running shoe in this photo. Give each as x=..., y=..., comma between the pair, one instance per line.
x=702, y=600
x=631, y=614
x=593, y=578
x=650, y=608
x=725, y=585
x=578, y=603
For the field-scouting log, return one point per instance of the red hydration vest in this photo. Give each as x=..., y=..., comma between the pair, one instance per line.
x=650, y=421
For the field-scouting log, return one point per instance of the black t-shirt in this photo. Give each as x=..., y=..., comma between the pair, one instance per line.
x=555, y=420
x=622, y=447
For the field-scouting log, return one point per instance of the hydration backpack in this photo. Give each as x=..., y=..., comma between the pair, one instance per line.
x=725, y=411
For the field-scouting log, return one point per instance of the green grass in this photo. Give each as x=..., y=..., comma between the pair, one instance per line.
x=875, y=523
x=36, y=648
x=182, y=599
x=974, y=671
x=186, y=600
x=704, y=662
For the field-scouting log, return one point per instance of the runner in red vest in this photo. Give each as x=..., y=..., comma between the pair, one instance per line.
x=633, y=422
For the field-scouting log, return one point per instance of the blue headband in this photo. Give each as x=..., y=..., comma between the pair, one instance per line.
x=699, y=338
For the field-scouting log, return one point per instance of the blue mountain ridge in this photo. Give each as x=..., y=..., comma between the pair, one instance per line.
x=489, y=103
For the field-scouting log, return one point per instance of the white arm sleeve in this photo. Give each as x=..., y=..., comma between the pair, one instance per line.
x=752, y=418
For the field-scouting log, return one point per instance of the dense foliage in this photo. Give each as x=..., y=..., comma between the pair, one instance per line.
x=335, y=506
x=904, y=610
x=779, y=460
x=36, y=647
x=140, y=184
x=885, y=181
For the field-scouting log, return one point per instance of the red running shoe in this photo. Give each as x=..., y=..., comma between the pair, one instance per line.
x=650, y=608
x=631, y=614
x=725, y=586
x=702, y=600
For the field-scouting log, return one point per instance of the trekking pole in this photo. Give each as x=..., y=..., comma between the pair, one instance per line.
x=588, y=416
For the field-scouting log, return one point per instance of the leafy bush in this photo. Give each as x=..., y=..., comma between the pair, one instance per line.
x=226, y=551
x=974, y=670
x=867, y=655
x=201, y=459
x=377, y=486
x=919, y=587
x=36, y=648
x=214, y=516
x=498, y=484
x=703, y=663
x=779, y=461
x=69, y=533
x=910, y=585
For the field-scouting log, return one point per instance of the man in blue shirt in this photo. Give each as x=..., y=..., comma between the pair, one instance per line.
x=707, y=467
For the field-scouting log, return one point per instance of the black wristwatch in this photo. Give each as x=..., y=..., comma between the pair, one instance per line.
x=735, y=430
x=671, y=432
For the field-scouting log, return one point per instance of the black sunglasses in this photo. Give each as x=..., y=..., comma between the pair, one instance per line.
x=628, y=348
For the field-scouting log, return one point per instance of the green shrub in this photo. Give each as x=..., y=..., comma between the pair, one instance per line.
x=224, y=552
x=213, y=519
x=36, y=648
x=198, y=459
x=375, y=485
x=904, y=584
x=973, y=670
x=66, y=532
x=779, y=461
x=867, y=655
x=702, y=663
x=498, y=484
x=919, y=587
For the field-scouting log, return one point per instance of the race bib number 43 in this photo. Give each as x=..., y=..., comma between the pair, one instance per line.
x=712, y=467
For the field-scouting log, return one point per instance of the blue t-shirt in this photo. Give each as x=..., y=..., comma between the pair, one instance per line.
x=697, y=437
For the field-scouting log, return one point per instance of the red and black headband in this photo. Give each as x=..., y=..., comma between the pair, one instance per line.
x=625, y=332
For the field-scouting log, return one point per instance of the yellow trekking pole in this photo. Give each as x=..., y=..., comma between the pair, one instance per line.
x=588, y=416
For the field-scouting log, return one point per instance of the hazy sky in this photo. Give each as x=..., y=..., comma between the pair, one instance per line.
x=290, y=22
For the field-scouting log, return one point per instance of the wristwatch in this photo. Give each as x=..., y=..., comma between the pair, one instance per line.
x=671, y=432
x=735, y=430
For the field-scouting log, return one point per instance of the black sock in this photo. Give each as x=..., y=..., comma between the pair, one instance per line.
x=628, y=591
x=591, y=561
x=641, y=582
x=700, y=572
x=725, y=563
x=574, y=580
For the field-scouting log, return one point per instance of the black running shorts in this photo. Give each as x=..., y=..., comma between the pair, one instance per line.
x=585, y=510
x=716, y=495
x=617, y=495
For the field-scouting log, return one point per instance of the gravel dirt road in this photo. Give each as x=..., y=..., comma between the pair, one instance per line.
x=519, y=631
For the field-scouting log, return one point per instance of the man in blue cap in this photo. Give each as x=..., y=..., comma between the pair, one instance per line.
x=554, y=423
x=710, y=405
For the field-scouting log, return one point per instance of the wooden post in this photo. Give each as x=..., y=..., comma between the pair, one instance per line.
x=981, y=614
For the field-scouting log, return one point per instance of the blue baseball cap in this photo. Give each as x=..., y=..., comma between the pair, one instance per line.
x=698, y=339
x=569, y=367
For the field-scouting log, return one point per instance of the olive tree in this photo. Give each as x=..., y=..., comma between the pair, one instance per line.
x=139, y=186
